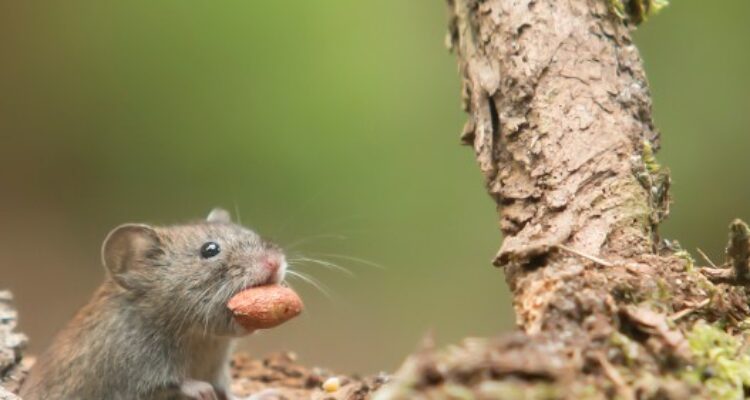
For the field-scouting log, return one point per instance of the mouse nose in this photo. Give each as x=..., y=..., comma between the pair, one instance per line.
x=272, y=263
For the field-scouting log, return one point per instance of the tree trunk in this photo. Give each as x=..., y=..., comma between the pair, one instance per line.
x=559, y=118
x=560, y=122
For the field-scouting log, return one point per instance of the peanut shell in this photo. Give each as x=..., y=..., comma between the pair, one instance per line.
x=264, y=307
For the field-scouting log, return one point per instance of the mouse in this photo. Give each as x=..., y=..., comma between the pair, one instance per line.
x=158, y=326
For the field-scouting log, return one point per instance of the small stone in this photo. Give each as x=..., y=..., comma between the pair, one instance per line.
x=6, y=395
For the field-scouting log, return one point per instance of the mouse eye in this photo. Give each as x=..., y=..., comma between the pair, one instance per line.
x=210, y=249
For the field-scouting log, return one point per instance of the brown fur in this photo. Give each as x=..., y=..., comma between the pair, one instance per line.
x=160, y=317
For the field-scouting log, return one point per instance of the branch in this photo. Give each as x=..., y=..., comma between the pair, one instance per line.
x=738, y=255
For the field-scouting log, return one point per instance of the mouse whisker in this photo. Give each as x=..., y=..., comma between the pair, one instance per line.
x=355, y=259
x=221, y=296
x=324, y=263
x=204, y=311
x=188, y=311
x=311, y=281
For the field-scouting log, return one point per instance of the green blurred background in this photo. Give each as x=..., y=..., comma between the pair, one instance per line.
x=332, y=127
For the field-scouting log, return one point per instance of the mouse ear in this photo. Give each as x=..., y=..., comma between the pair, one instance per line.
x=126, y=245
x=219, y=215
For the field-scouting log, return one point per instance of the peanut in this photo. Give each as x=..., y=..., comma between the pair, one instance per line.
x=264, y=307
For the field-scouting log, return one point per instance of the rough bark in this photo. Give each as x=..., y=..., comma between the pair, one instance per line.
x=560, y=122
x=559, y=115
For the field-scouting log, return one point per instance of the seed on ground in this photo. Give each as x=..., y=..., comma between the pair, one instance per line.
x=332, y=384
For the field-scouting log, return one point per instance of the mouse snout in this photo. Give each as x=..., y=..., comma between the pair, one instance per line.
x=275, y=264
x=272, y=263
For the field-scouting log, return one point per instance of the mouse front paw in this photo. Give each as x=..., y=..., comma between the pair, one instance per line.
x=198, y=390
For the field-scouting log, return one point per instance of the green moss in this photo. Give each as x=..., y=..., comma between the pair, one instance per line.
x=618, y=7
x=637, y=10
x=664, y=294
x=720, y=363
x=627, y=347
x=689, y=260
x=655, y=179
x=635, y=206
x=657, y=6
x=649, y=159
x=702, y=282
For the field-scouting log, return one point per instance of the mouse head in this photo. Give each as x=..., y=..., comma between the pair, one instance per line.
x=186, y=274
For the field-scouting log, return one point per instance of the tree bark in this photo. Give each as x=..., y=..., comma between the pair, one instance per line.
x=560, y=123
x=559, y=118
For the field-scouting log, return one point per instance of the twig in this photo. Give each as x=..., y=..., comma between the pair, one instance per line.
x=720, y=275
x=586, y=256
x=686, y=311
x=614, y=375
x=705, y=257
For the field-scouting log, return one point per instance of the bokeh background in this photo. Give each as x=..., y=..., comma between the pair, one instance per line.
x=329, y=126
